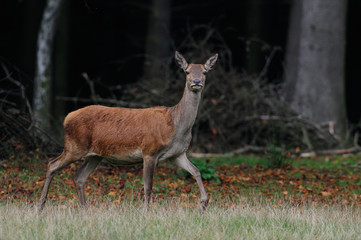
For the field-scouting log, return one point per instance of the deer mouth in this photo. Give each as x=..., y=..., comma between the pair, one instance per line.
x=196, y=87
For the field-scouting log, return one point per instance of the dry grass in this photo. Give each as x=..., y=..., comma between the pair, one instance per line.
x=170, y=221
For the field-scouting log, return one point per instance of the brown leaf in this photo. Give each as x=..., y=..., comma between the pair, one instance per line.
x=245, y=179
x=112, y=194
x=214, y=131
x=326, y=194
x=41, y=182
x=174, y=185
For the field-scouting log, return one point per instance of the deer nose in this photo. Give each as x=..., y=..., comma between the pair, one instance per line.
x=196, y=81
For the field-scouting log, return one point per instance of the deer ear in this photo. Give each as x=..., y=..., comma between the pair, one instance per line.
x=210, y=62
x=181, y=61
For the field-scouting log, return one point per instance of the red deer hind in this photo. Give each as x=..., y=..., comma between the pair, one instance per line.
x=124, y=136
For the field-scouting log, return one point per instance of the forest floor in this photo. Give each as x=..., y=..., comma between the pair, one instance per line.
x=322, y=180
x=239, y=187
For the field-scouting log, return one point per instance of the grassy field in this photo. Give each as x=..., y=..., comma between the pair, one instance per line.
x=250, y=198
x=172, y=221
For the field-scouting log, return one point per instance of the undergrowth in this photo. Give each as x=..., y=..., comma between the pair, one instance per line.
x=207, y=170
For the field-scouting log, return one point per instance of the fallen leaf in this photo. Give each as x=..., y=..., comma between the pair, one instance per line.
x=325, y=194
x=214, y=131
x=41, y=182
x=246, y=179
x=174, y=185
x=112, y=194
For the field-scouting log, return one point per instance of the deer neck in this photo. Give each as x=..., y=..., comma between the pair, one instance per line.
x=186, y=111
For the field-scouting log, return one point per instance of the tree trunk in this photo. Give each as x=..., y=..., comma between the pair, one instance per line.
x=61, y=69
x=42, y=83
x=158, y=38
x=255, y=21
x=314, y=79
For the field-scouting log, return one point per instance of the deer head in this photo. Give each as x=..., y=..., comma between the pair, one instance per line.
x=196, y=73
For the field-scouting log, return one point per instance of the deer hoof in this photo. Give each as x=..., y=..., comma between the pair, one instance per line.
x=204, y=204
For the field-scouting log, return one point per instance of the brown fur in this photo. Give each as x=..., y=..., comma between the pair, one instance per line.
x=112, y=131
x=196, y=71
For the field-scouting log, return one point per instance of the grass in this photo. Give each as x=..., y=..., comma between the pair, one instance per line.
x=324, y=162
x=167, y=220
x=316, y=198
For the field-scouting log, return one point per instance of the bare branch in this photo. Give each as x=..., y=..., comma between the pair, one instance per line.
x=102, y=101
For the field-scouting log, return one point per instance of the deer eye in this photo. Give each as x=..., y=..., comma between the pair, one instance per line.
x=187, y=72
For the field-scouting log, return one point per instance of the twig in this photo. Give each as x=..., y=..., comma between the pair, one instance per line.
x=209, y=155
x=239, y=151
x=355, y=140
x=264, y=150
x=306, y=139
x=268, y=62
x=102, y=100
x=93, y=96
x=331, y=152
x=8, y=102
x=23, y=94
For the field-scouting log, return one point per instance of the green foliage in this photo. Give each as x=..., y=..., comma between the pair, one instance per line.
x=207, y=170
x=276, y=158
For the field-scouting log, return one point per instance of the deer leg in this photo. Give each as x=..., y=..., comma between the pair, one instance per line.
x=148, y=172
x=82, y=174
x=55, y=165
x=183, y=162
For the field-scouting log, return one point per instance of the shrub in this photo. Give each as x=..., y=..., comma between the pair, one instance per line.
x=206, y=168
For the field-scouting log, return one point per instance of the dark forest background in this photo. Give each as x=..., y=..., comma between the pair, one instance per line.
x=103, y=50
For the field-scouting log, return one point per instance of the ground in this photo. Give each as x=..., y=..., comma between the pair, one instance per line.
x=323, y=180
x=251, y=197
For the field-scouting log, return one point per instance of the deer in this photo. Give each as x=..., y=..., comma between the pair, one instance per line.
x=130, y=136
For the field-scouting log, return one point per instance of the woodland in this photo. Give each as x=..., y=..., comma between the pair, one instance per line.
x=277, y=138
x=287, y=74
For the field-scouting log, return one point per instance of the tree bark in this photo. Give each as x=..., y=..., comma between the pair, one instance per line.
x=158, y=38
x=314, y=78
x=61, y=68
x=43, y=74
x=255, y=24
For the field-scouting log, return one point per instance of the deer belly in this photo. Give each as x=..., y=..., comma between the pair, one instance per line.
x=131, y=158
